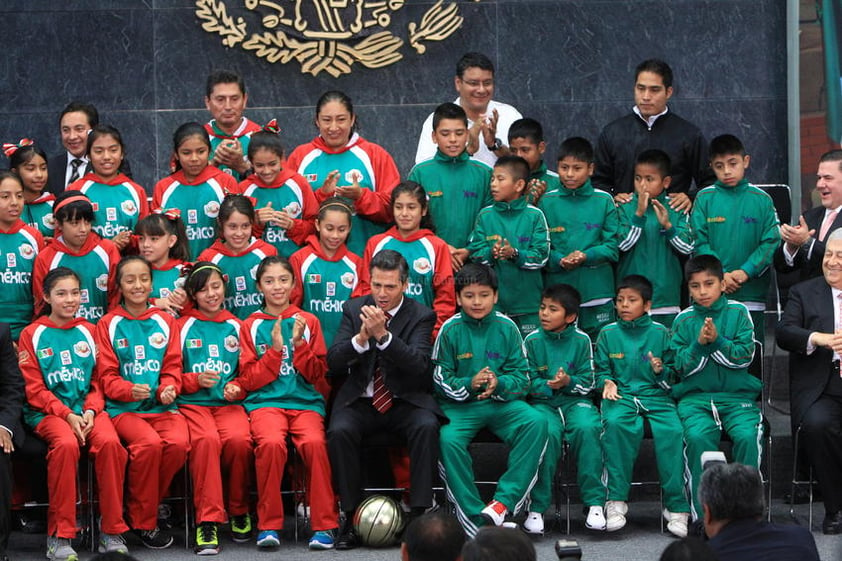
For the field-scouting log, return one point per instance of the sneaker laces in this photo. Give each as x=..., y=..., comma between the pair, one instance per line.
x=207, y=533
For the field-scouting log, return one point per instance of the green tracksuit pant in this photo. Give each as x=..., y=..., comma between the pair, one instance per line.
x=623, y=422
x=518, y=425
x=593, y=318
x=576, y=421
x=526, y=323
x=704, y=418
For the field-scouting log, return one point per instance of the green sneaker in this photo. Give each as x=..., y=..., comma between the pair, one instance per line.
x=207, y=542
x=241, y=528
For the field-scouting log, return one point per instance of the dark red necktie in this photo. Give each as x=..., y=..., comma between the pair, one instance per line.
x=381, y=397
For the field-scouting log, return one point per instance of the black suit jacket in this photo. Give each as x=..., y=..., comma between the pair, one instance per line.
x=11, y=386
x=406, y=363
x=758, y=539
x=57, y=168
x=808, y=267
x=809, y=309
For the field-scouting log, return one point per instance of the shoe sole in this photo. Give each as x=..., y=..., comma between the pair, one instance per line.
x=68, y=558
x=151, y=546
x=240, y=539
x=124, y=551
x=209, y=551
x=265, y=544
x=320, y=546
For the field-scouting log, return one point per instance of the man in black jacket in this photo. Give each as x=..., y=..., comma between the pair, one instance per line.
x=11, y=431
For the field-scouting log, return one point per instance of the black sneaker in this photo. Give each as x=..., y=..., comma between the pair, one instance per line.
x=241, y=528
x=154, y=539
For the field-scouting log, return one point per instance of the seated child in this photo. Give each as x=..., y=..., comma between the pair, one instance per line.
x=526, y=139
x=633, y=362
x=511, y=236
x=653, y=235
x=583, y=224
x=712, y=341
x=561, y=379
x=481, y=378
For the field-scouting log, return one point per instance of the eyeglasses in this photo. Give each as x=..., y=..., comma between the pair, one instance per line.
x=478, y=83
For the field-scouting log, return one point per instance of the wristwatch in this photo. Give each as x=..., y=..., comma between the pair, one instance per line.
x=383, y=339
x=496, y=146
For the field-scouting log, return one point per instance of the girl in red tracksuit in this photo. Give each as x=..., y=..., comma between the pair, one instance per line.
x=428, y=256
x=162, y=241
x=282, y=366
x=57, y=356
x=218, y=423
x=139, y=367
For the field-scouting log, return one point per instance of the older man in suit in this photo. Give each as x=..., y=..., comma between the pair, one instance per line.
x=11, y=431
x=382, y=350
x=811, y=329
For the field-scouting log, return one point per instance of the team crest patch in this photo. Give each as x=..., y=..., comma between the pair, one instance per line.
x=102, y=282
x=330, y=289
x=212, y=209
x=352, y=175
x=26, y=251
x=232, y=344
x=84, y=297
x=293, y=209
x=139, y=352
x=65, y=358
x=422, y=265
x=261, y=349
x=348, y=279
x=128, y=207
x=49, y=221
x=111, y=214
x=213, y=351
x=157, y=340
x=82, y=349
x=11, y=260
x=253, y=272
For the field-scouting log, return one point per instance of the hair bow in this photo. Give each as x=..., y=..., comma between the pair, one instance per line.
x=252, y=200
x=272, y=126
x=170, y=213
x=9, y=149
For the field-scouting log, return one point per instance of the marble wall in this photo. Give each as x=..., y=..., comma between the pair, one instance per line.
x=567, y=63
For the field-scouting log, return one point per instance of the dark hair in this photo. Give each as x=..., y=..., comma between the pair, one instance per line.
x=224, y=77
x=265, y=140
x=78, y=107
x=268, y=262
x=832, y=156
x=705, y=263
x=235, y=202
x=473, y=60
x=339, y=97
x=435, y=536
x=515, y=165
x=577, y=148
x=564, y=294
x=418, y=193
x=77, y=210
x=527, y=128
x=390, y=260
x=449, y=111
x=24, y=155
x=726, y=145
x=156, y=224
x=9, y=174
x=732, y=492
x=496, y=543
x=639, y=284
x=50, y=281
x=658, y=159
x=100, y=131
x=118, y=275
x=339, y=204
x=688, y=549
x=198, y=276
x=185, y=131
x=655, y=66
x=475, y=273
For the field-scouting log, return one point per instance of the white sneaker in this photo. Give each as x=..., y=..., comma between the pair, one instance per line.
x=615, y=515
x=495, y=512
x=112, y=542
x=677, y=523
x=534, y=523
x=595, y=519
x=59, y=549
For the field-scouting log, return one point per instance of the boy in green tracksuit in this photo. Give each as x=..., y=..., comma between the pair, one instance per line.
x=526, y=139
x=653, y=235
x=561, y=379
x=511, y=236
x=736, y=222
x=457, y=186
x=633, y=363
x=712, y=342
x=583, y=235
x=481, y=379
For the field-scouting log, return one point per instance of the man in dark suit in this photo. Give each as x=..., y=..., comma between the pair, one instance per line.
x=802, y=249
x=11, y=431
x=384, y=344
x=732, y=499
x=811, y=329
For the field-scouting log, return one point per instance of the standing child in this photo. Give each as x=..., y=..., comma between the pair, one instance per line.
x=139, y=367
x=118, y=201
x=282, y=366
x=29, y=162
x=238, y=254
x=284, y=200
x=583, y=235
x=65, y=408
x=196, y=188
x=328, y=273
x=526, y=139
x=162, y=240
x=19, y=246
x=219, y=428
x=511, y=236
x=653, y=235
x=481, y=379
x=428, y=256
x=713, y=348
x=81, y=250
x=633, y=368
x=457, y=185
x=736, y=222
x=561, y=380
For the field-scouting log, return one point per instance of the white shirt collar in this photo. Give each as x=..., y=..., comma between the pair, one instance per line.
x=651, y=120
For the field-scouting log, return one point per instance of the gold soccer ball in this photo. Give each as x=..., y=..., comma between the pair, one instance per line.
x=378, y=521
